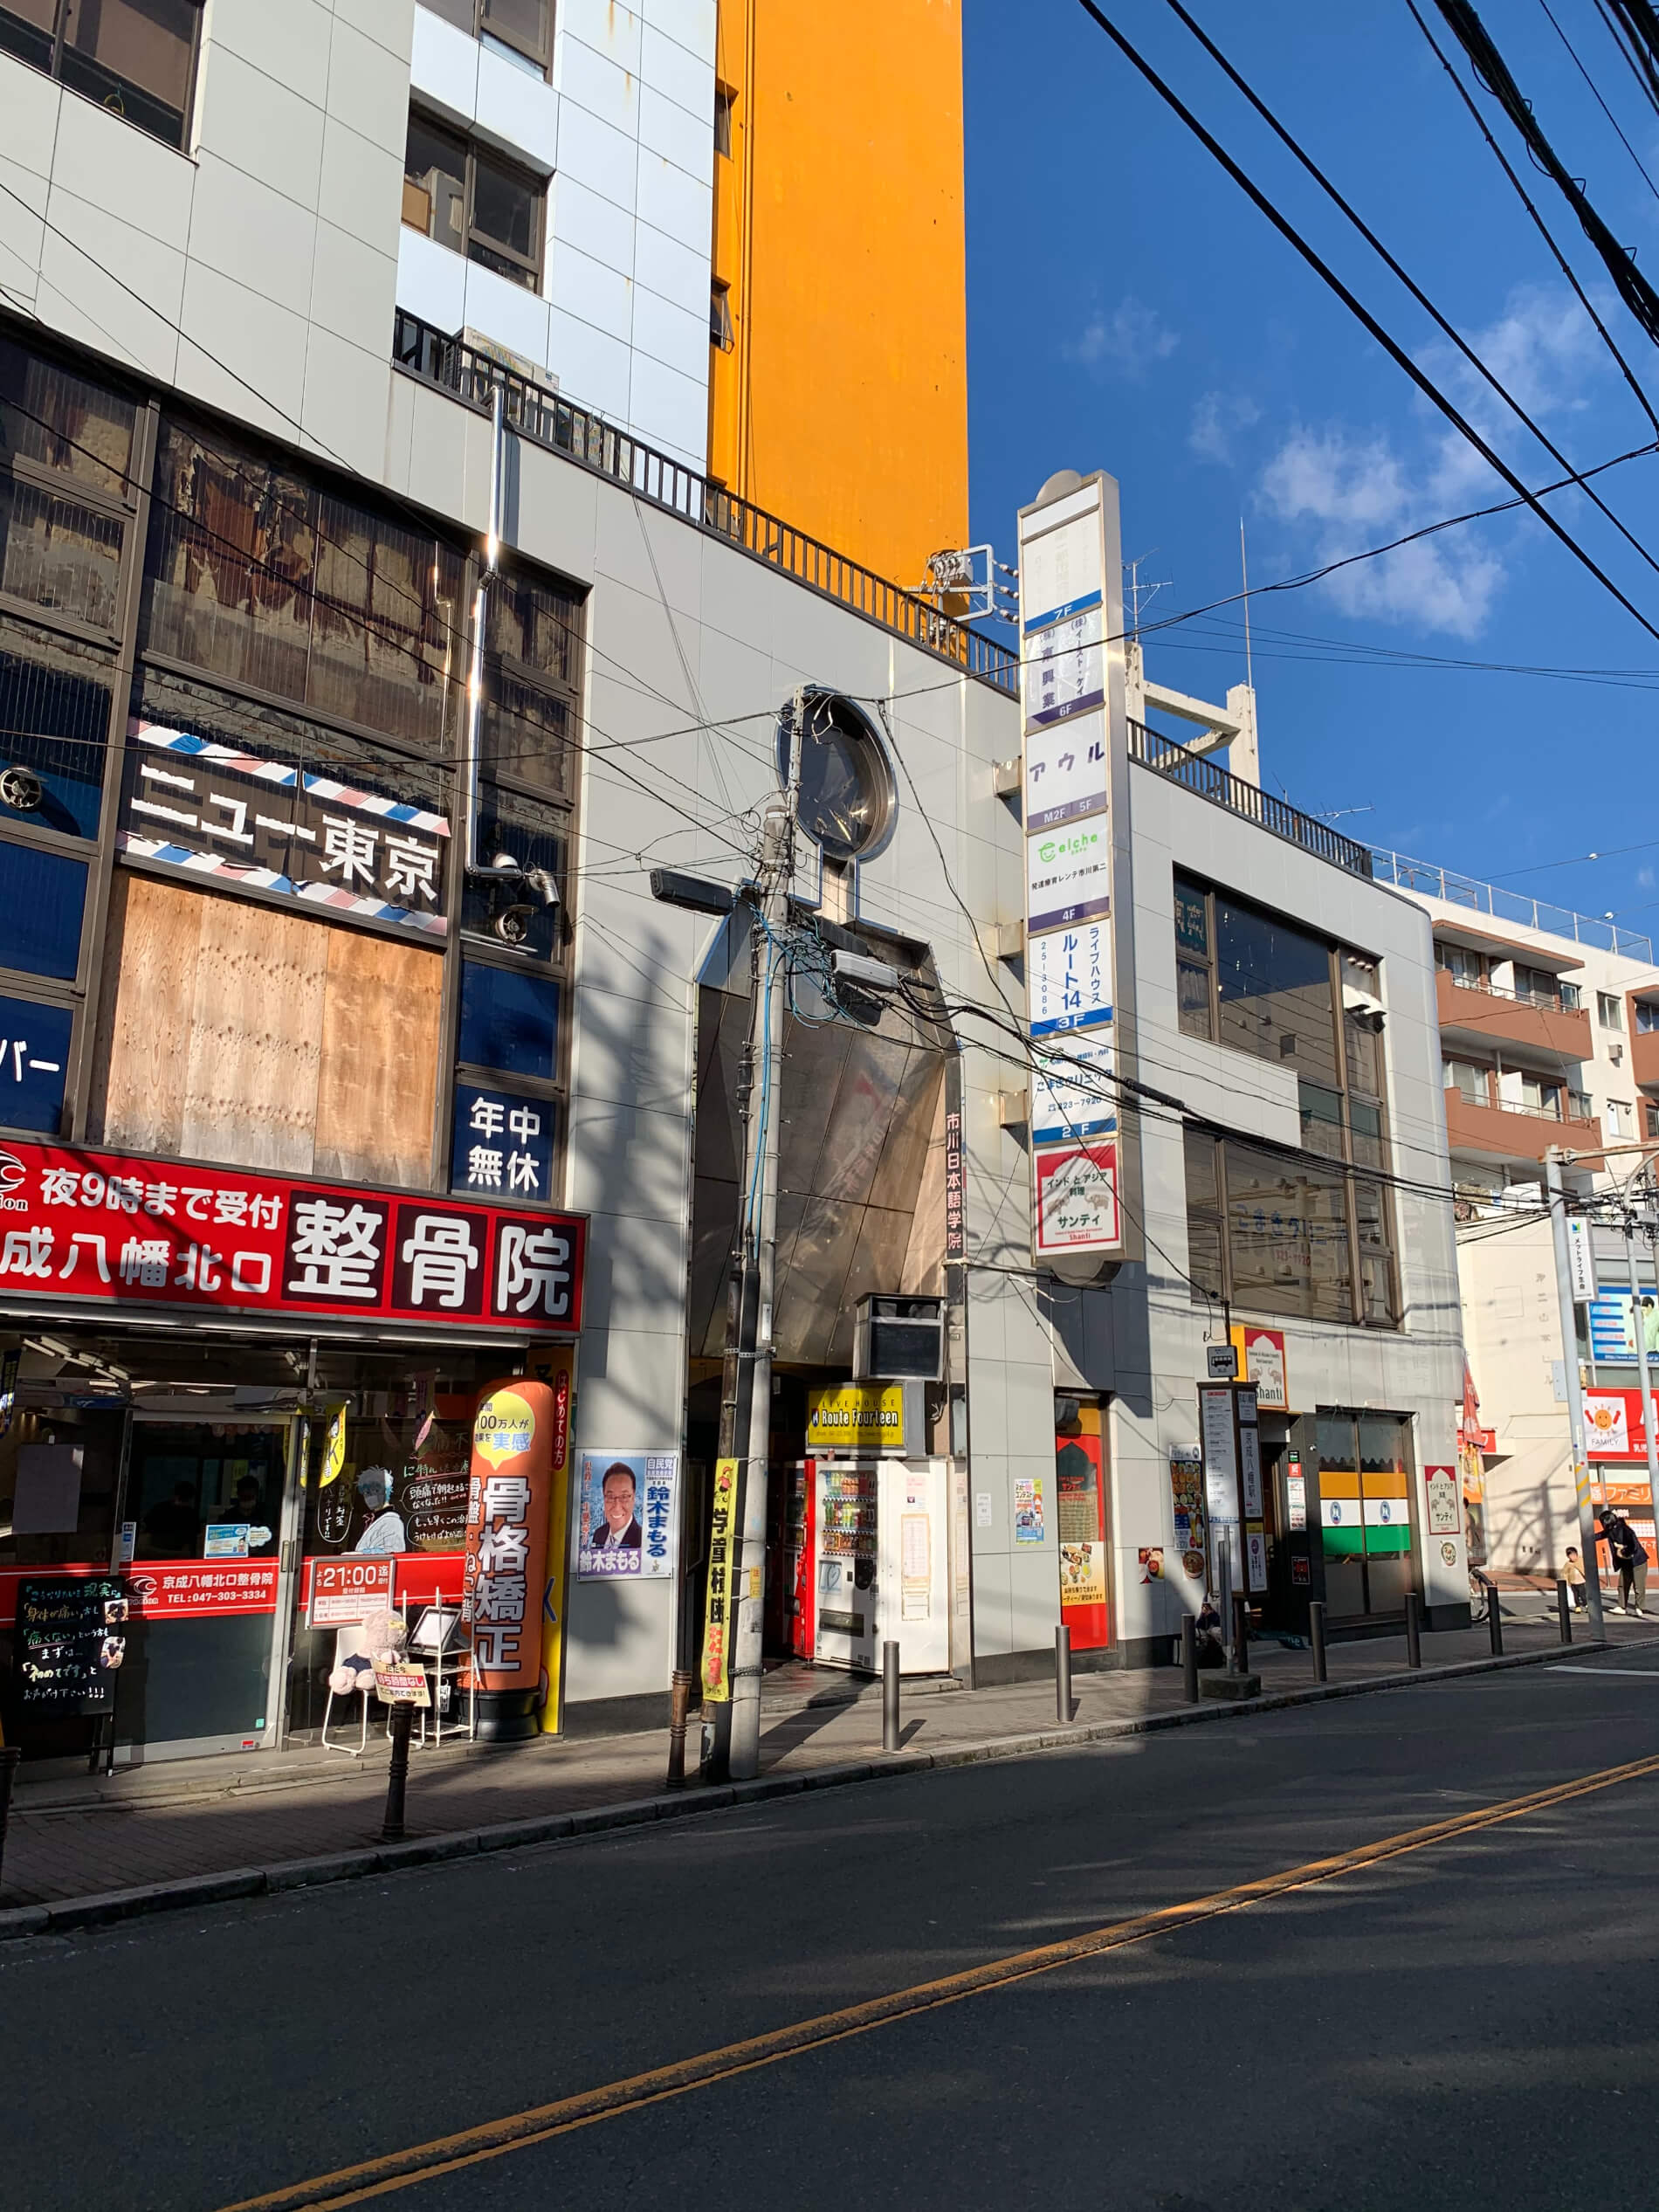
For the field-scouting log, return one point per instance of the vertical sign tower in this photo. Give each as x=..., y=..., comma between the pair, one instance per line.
x=1077, y=851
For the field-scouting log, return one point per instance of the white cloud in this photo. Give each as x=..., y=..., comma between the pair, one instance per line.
x=1349, y=490
x=1127, y=340
x=1217, y=416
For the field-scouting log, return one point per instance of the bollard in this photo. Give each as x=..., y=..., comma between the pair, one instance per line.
x=890, y=1696
x=1563, y=1608
x=10, y=1755
x=1316, y=1637
x=1414, y=1629
x=1189, y=1657
x=397, y=1775
x=679, y=1706
x=1062, y=1673
x=1241, y=1633
x=1493, y=1618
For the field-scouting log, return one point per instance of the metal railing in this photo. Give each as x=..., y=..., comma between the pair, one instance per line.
x=1507, y=905
x=1577, y=1107
x=538, y=413
x=1195, y=772
x=1566, y=1000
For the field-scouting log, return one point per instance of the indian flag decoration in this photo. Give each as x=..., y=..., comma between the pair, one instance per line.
x=1368, y=1514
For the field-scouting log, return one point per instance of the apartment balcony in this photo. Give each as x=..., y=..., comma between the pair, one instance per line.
x=1521, y=1135
x=1481, y=1015
x=1644, y=1057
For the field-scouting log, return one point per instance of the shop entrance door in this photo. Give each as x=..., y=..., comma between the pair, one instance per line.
x=1364, y=1513
x=208, y=1501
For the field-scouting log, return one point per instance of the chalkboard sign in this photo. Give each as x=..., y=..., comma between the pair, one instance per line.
x=71, y=1641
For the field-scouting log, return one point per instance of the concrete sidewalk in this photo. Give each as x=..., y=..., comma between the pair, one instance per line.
x=83, y=1838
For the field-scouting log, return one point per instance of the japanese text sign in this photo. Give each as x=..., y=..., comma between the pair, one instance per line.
x=509, y=1494
x=503, y=1142
x=719, y=1614
x=78, y=1225
x=268, y=825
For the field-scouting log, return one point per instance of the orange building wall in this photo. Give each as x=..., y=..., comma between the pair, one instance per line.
x=839, y=228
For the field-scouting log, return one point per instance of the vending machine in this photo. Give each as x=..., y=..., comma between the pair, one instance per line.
x=881, y=1547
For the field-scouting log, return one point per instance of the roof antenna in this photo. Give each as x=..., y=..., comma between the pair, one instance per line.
x=1244, y=577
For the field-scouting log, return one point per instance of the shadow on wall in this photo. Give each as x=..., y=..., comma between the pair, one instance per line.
x=1531, y=1512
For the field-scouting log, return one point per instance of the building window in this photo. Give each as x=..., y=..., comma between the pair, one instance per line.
x=1647, y=1017
x=471, y=200
x=1650, y=1119
x=136, y=58
x=1308, y=1231
x=66, y=447
x=1467, y=969
x=1621, y=1118
x=719, y=316
x=257, y=572
x=1536, y=986
x=531, y=674
x=519, y=30
x=725, y=101
x=41, y=898
x=1472, y=1082
x=1610, y=1010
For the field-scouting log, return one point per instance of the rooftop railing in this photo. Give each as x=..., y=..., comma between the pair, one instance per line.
x=538, y=413
x=1508, y=905
x=1195, y=772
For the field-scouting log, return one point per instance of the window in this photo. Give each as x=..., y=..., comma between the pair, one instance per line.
x=65, y=445
x=1470, y=1081
x=1610, y=1010
x=530, y=684
x=137, y=57
x=519, y=30
x=1650, y=1119
x=54, y=710
x=1647, y=1017
x=1536, y=986
x=719, y=316
x=473, y=202
x=1581, y=1106
x=34, y=1059
x=41, y=898
x=1540, y=1095
x=725, y=101
x=256, y=573
x=509, y=1020
x=1620, y=1117
x=1281, y=1233
x=1467, y=969
x=1195, y=981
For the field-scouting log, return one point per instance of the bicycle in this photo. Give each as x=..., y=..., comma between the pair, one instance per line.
x=1480, y=1594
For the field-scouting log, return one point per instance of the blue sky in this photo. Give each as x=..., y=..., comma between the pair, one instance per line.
x=1129, y=309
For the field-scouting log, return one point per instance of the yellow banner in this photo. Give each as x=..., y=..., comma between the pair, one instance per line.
x=856, y=1417
x=558, y=1371
x=719, y=1616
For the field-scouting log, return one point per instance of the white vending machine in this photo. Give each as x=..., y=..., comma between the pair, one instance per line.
x=882, y=1564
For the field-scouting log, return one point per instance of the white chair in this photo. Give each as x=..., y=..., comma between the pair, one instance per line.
x=349, y=1647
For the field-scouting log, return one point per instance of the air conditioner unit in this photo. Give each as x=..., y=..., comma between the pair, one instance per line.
x=1615, y=1053
x=898, y=1339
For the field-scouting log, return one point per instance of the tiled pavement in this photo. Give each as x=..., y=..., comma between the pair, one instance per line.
x=77, y=1837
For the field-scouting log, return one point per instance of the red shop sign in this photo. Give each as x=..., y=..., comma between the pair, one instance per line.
x=121, y=1231
x=196, y=1590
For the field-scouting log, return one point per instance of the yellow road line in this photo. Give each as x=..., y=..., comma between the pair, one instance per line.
x=448, y=2153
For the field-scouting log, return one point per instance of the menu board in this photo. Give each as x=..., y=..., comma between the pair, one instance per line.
x=70, y=1642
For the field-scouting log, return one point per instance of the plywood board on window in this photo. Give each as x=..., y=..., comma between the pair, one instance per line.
x=256, y=1038
x=231, y=1032
x=378, y=1074
x=140, y=1053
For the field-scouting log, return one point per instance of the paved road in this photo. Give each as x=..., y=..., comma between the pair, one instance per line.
x=1468, y=2024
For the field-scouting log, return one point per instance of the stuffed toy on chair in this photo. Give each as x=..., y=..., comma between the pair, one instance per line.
x=378, y=1641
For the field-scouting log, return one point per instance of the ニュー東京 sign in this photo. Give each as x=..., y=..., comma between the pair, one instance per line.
x=118, y=1230
x=1068, y=629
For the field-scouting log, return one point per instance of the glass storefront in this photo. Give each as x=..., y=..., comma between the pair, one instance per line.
x=1364, y=1475
x=210, y=1476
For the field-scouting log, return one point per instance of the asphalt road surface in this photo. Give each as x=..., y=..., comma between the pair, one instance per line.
x=1469, y=2022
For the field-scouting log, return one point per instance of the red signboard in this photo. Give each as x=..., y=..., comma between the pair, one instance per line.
x=344, y=1591
x=200, y=1589
x=121, y=1231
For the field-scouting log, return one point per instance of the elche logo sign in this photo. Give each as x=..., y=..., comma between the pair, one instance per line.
x=13, y=1172
x=504, y=1428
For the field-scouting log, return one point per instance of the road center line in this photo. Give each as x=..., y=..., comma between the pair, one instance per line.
x=1624, y=1674
x=518, y=2131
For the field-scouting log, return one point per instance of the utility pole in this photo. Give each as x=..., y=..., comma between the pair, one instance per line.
x=746, y=1408
x=1639, y=1328
x=1590, y=1557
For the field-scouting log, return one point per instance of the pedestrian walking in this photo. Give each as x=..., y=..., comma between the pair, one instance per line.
x=1623, y=1551
x=1572, y=1576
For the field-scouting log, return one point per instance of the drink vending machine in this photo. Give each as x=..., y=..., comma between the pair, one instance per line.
x=876, y=1567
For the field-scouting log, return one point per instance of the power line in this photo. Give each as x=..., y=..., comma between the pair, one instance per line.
x=1396, y=353
x=1540, y=224
x=1411, y=284
x=1595, y=92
